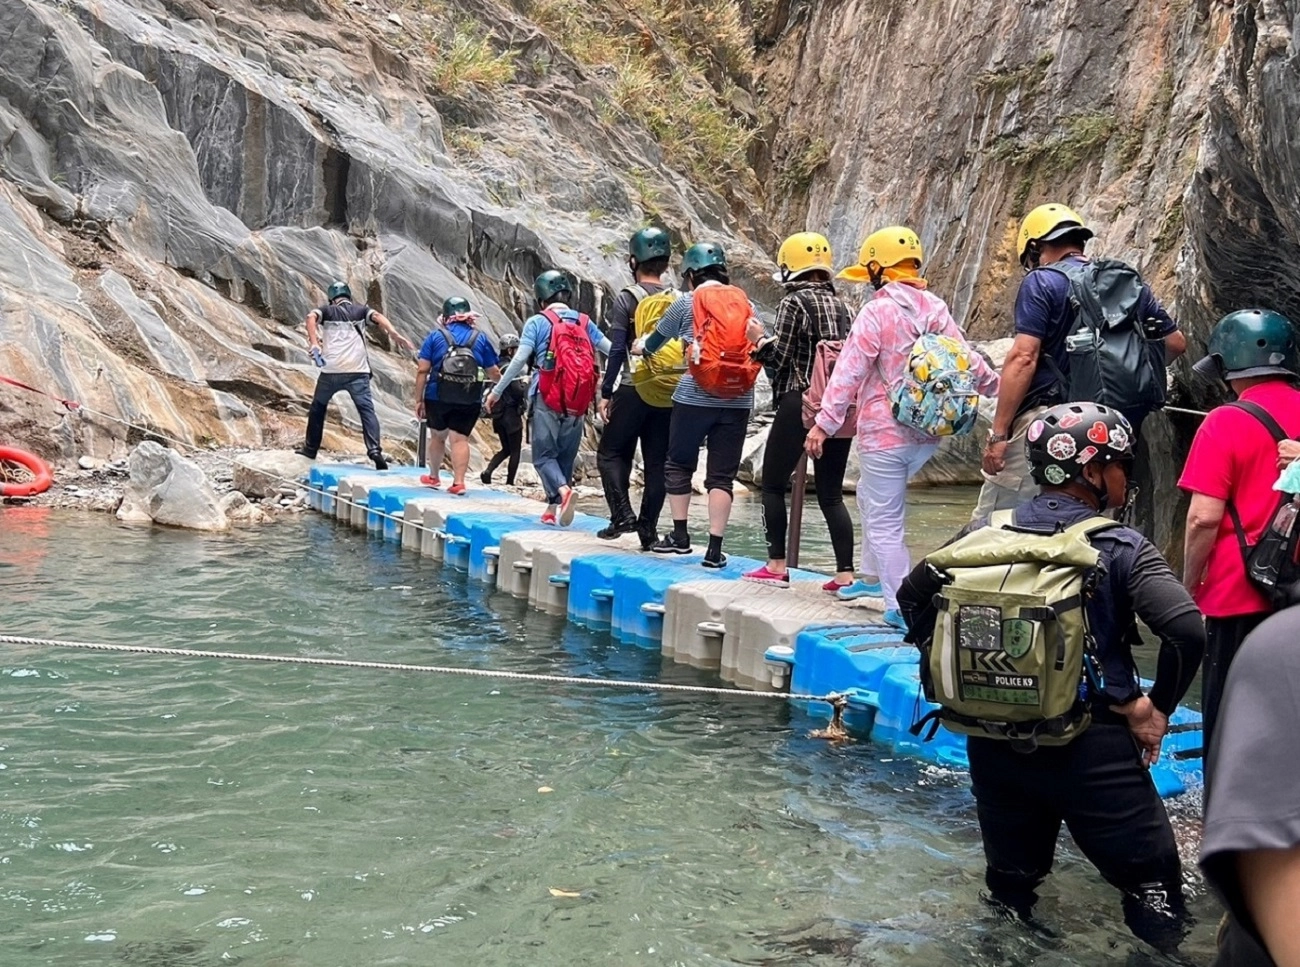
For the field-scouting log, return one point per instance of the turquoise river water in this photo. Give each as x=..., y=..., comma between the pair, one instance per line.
x=162, y=812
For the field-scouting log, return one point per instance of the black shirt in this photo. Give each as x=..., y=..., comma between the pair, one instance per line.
x=1254, y=801
x=619, y=322
x=1136, y=583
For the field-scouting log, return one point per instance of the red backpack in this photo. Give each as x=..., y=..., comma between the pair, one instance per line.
x=567, y=380
x=828, y=352
x=720, y=360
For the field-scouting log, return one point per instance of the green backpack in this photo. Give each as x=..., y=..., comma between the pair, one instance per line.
x=1011, y=654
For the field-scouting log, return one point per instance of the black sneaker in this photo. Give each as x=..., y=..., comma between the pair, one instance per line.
x=617, y=529
x=487, y=481
x=303, y=452
x=648, y=537
x=380, y=462
x=669, y=545
x=720, y=563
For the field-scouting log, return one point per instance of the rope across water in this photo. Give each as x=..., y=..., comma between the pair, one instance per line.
x=392, y=666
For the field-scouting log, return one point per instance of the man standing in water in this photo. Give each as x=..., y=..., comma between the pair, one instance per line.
x=1230, y=472
x=1087, y=766
x=338, y=347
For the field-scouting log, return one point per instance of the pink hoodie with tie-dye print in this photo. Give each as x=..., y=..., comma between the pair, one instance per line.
x=875, y=358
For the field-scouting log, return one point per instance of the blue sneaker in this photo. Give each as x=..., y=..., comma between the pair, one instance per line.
x=894, y=618
x=858, y=589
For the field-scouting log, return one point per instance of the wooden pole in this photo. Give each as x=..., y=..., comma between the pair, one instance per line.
x=796, y=511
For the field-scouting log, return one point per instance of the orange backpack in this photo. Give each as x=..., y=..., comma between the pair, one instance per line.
x=720, y=360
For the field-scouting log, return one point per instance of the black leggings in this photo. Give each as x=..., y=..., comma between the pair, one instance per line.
x=1098, y=787
x=724, y=428
x=511, y=442
x=632, y=419
x=780, y=458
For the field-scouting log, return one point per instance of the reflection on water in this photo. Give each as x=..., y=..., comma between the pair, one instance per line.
x=168, y=813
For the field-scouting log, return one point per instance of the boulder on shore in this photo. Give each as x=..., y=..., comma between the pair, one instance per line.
x=165, y=488
x=263, y=473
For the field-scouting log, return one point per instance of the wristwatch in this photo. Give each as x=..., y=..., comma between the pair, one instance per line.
x=997, y=438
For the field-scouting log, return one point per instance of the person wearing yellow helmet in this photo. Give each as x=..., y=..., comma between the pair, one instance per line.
x=810, y=313
x=1036, y=373
x=875, y=359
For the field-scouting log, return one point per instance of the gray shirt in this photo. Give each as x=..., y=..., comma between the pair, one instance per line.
x=1254, y=799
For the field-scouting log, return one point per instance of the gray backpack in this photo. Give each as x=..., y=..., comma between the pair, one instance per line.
x=1111, y=360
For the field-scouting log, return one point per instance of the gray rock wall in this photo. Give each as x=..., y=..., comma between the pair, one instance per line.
x=178, y=183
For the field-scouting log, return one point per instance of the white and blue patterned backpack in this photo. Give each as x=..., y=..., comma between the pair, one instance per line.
x=937, y=394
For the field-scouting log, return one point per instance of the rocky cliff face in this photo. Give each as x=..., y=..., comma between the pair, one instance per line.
x=179, y=179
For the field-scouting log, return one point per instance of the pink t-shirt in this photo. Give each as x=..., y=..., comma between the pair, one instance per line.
x=1234, y=458
x=875, y=358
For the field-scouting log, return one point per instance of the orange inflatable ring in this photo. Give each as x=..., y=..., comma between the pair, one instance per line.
x=42, y=475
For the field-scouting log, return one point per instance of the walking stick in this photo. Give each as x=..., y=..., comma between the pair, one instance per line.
x=796, y=511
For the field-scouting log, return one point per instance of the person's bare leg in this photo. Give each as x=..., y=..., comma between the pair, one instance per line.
x=436, y=451
x=719, y=512
x=680, y=505
x=459, y=458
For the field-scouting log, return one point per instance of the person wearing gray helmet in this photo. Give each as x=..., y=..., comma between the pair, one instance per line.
x=508, y=418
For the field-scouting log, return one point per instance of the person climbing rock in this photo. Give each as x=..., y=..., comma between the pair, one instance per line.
x=1051, y=359
x=562, y=343
x=640, y=409
x=1062, y=733
x=718, y=327
x=811, y=313
x=902, y=316
x=1230, y=472
x=449, y=388
x=338, y=346
x=508, y=418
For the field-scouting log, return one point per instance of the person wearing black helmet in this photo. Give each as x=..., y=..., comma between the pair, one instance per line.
x=336, y=344
x=508, y=418
x=1096, y=782
x=640, y=409
x=1230, y=472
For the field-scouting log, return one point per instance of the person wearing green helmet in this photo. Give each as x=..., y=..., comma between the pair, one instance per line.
x=1230, y=472
x=338, y=347
x=449, y=388
x=640, y=409
x=562, y=344
x=719, y=328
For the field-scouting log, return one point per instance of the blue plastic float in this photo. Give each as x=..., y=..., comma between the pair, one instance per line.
x=625, y=592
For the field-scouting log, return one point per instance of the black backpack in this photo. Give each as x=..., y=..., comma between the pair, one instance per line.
x=458, y=380
x=1272, y=562
x=1111, y=360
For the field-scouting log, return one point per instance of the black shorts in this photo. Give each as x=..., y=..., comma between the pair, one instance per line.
x=457, y=417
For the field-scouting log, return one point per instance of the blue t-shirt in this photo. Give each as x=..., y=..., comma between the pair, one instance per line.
x=435, y=349
x=1043, y=311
